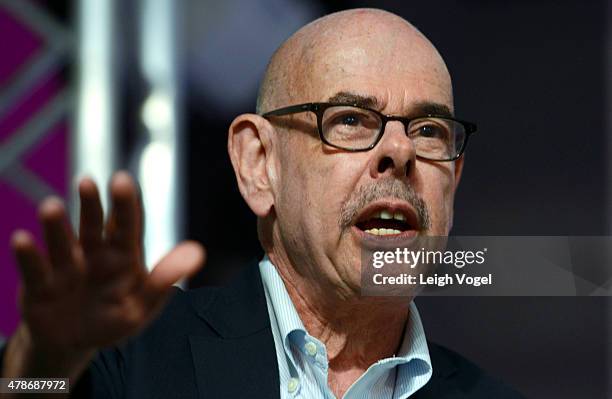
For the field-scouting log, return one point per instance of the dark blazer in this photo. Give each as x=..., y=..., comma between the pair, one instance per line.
x=217, y=343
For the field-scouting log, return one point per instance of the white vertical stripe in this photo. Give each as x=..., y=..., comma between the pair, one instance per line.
x=158, y=161
x=93, y=138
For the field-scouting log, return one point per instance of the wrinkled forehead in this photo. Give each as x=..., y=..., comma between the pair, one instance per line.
x=396, y=67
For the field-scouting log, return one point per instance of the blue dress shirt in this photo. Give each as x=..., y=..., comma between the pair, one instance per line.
x=302, y=359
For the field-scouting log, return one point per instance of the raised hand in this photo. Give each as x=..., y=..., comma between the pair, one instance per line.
x=92, y=290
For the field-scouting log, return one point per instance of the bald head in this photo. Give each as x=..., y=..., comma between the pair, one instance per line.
x=360, y=43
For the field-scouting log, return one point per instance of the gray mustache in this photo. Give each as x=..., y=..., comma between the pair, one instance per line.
x=384, y=188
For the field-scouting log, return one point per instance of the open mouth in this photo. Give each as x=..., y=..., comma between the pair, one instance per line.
x=386, y=219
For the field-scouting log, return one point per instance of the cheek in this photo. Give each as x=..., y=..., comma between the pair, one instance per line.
x=324, y=187
x=316, y=187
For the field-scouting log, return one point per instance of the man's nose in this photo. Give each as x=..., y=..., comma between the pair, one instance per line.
x=395, y=153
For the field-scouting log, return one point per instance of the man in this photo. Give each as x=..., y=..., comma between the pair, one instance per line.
x=325, y=170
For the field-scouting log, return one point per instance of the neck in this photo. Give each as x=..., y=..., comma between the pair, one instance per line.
x=357, y=331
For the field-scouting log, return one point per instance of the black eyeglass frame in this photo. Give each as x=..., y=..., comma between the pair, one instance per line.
x=319, y=109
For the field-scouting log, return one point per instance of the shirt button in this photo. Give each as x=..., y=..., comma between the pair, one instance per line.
x=292, y=386
x=311, y=348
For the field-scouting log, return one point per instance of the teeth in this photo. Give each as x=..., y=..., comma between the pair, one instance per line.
x=383, y=232
x=386, y=215
x=399, y=216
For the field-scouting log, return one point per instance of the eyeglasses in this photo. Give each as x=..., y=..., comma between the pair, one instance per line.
x=355, y=128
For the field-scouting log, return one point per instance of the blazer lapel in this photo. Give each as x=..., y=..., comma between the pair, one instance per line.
x=240, y=361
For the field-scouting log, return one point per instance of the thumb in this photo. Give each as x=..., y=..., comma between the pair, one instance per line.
x=182, y=261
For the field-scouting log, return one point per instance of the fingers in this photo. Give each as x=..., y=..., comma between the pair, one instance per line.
x=92, y=216
x=58, y=237
x=123, y=229
x=35, y=272
x=183, y=261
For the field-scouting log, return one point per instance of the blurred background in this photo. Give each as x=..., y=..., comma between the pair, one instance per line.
x=90, y=86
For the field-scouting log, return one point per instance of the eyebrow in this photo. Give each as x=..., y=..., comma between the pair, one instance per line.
x=420, y=108
x=431, y=108
x=348, y=98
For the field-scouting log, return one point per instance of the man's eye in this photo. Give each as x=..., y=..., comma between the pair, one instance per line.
x=432, y=131
x=349, y=120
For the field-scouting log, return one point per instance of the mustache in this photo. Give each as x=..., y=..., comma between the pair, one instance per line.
x=384, y=188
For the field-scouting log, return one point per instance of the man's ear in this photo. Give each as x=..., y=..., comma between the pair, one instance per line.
x=249, y=146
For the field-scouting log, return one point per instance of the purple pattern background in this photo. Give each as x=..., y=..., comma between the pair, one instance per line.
x=48, y=158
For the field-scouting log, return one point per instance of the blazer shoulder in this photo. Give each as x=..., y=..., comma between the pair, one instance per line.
x=467, y=377
x=180, y=313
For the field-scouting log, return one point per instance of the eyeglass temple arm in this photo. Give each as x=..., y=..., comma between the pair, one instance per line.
x=293, y=109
